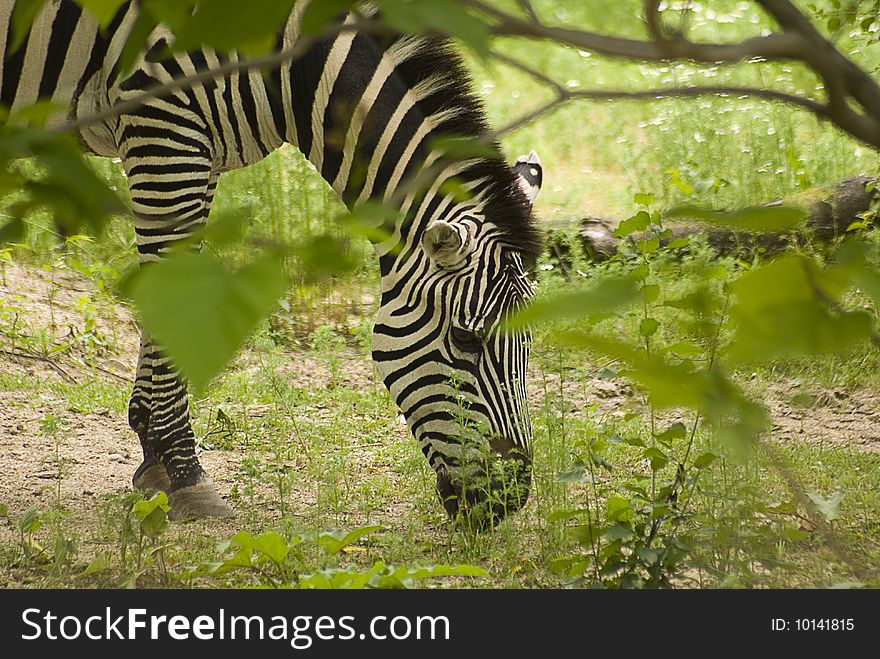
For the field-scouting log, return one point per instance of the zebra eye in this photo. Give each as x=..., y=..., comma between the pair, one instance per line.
x=466, y=341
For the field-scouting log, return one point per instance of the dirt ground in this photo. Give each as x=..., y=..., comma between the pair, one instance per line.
x=101, y=453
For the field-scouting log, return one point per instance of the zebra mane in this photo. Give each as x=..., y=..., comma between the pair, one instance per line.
x=433, y=62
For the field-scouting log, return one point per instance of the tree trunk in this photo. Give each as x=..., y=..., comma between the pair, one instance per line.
x=830, y=211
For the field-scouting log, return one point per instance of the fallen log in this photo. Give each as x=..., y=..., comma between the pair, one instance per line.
x=830, y=211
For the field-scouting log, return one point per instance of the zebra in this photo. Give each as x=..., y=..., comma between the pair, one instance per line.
x=366, y=110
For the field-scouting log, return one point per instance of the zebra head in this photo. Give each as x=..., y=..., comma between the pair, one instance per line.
x=441, y=347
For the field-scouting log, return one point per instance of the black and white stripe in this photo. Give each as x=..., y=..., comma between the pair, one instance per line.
x=365, y=110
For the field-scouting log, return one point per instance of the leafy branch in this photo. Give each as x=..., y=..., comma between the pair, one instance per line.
x=852, y=97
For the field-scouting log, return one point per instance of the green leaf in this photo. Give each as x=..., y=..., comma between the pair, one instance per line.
x=326, y=255
x=830, y=507
x=23, y=16
x=767, y=219
x=677, y=243
x=29, y=522
x=249, y=27
x=643, y=199
x=173, y=13
x=565, y=515
x=641, y=272
x=675, y=431
x=102, y=10
x=618, y=532
x=650, y=292
x=638, y=222
x=658, y=458
x=648, y=246
x=648, y=327
x=37, y=114
x=318, y=15
x=333, y=543
x=13, y=231
x=684, y=349
x=782, y=309
x=433, y=571
x=271, y=545
x=649, y=555
x=200, y=313
x=618, y=509
x=795, y=535
x=579, y=473
x=67, y=187
x=705, y=460
x=447, y=16
x=153, y=514
x=98, y=564
x=585, y=534
x=606, y=295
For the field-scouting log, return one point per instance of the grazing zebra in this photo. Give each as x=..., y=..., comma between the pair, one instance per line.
x=366, y=111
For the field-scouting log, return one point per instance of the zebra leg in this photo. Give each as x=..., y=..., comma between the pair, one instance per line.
x=151, y=475
x=171, y=186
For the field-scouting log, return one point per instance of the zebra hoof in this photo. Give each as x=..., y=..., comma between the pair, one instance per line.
x=151, y=477
x=197, y=502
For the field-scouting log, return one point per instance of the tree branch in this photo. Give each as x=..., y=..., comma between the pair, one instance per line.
x=526, y=6
x=774, y=46
x=564, y=96
x=798, y=41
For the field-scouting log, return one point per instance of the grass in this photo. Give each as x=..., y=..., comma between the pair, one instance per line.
x=305, y=440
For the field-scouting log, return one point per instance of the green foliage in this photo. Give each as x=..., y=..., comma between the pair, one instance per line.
x=791, y=307
x=604, y=297
x=641, y=532
x=643, y=501
x=448, y=16
x=278, y=562
x=102, y=10
x=334, y=542
x=256, y=24
x=152, y=515
x=385, y=576
x=318, y=15
x=192, y=296
x=829, y=507
x=65, y=185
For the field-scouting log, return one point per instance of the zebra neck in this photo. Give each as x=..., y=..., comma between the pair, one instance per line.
x=368, y=126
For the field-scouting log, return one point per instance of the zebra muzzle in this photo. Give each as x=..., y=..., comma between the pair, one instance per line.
x=479, y=498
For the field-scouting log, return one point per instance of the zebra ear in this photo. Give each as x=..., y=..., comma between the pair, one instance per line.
x=529, y=175
x=445, y=244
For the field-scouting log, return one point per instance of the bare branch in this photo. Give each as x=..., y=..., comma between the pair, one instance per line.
x=564, y=95
x=652, y=15
x=658, y=94
x=525, y=68
x=774, y=46
x=526, y=6
x=822, y=56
